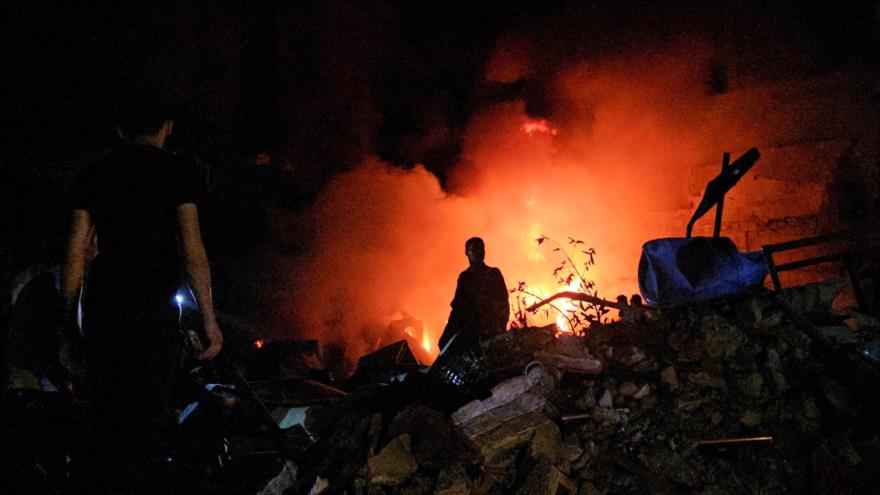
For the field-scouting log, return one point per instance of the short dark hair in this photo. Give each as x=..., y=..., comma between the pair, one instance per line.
x=142, y=115
x=473, y=240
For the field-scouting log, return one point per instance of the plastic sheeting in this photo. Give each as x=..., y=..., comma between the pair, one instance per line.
x=675, y=271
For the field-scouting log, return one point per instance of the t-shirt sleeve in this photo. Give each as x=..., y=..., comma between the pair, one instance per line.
x=188, y=184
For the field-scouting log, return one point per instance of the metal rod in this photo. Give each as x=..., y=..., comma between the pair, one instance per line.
x=723, y=442
x=577, y=296
x=574, y=417
x=719, y=208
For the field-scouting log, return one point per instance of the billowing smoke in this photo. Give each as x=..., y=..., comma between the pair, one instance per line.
x=608, y=160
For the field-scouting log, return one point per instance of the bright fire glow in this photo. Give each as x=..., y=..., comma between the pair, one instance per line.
x=426, y=340
x=623, y=168
x=538, y=127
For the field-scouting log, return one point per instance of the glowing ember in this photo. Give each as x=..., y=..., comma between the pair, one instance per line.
x=538, y=126
x=426, y=341
x=567, y=307
x=259, y=343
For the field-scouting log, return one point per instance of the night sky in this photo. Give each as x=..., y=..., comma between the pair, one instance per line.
x=318, y=86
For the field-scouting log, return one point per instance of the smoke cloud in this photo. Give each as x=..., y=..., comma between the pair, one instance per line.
x=609, y=161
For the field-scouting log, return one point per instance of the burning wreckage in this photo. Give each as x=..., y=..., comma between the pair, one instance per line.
x=716, y=385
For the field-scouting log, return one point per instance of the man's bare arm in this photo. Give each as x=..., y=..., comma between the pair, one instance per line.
x=74, y=261
x=198, y=273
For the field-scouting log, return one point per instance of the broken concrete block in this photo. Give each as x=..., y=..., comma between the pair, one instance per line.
x=814, y=298
x=546, y=442
x=627, y=388
x=394, y=464
x=669, y=464
x=583, y=365
x=721, y=338
x=546, y=479
x=632, y=356
x=690, y=404
x=751, y=418
x=706, y=380
x=642, y=392
x=670, y=377
x=605, y=401
x=605, y=416
x=750, y=384
x=509, y=399
x=509, y=436
x=570, y=345
x=452, y=481
x=282, y=481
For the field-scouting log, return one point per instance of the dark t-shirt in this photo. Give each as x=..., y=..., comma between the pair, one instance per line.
x=480, y=304
x=132, y=195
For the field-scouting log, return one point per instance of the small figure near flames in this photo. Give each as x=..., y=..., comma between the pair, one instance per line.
x=480, y=308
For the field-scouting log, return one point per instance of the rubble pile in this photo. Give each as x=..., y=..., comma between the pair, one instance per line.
x=769, y=393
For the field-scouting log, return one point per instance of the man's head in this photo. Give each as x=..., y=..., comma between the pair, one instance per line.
x=145, y=120
x=475, y=250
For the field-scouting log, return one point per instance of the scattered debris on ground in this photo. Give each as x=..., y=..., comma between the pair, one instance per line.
x=766, y=393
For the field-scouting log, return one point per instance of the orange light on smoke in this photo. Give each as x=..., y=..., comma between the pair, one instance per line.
x=539, y=127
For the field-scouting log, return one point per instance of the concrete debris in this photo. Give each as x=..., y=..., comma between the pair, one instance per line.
x=284, y=480
x=394, y=464
x=553, y=419
x=510, y=399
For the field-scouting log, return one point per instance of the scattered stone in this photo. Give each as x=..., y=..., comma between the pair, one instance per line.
x=722, y=339
x=706, y=379
x=750, y=384
x=508, y=437
x=642, y=392
x=582, y=365
x=839, y=335
x=588, y=488
x=627, y=389
x=394, y=464
x=544, y=478
x=735, y=369
x=606, y=416
x=452, y=481
x=586, y=401
x=670, y=377
x=665, y=462
x=690, y=405
x=546, y=442
x=751, y=418
x=282, y=481
x=646, y=366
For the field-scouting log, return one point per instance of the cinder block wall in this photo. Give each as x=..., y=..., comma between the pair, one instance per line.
x=819, y=170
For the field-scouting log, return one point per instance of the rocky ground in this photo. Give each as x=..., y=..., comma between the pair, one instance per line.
x=627, y=408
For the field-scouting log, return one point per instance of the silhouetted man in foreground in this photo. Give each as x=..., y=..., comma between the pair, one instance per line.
x=479, y=308
x=143, y=204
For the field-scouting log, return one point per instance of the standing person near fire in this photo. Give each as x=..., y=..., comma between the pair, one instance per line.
x=479, y=308
x=142, y=202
